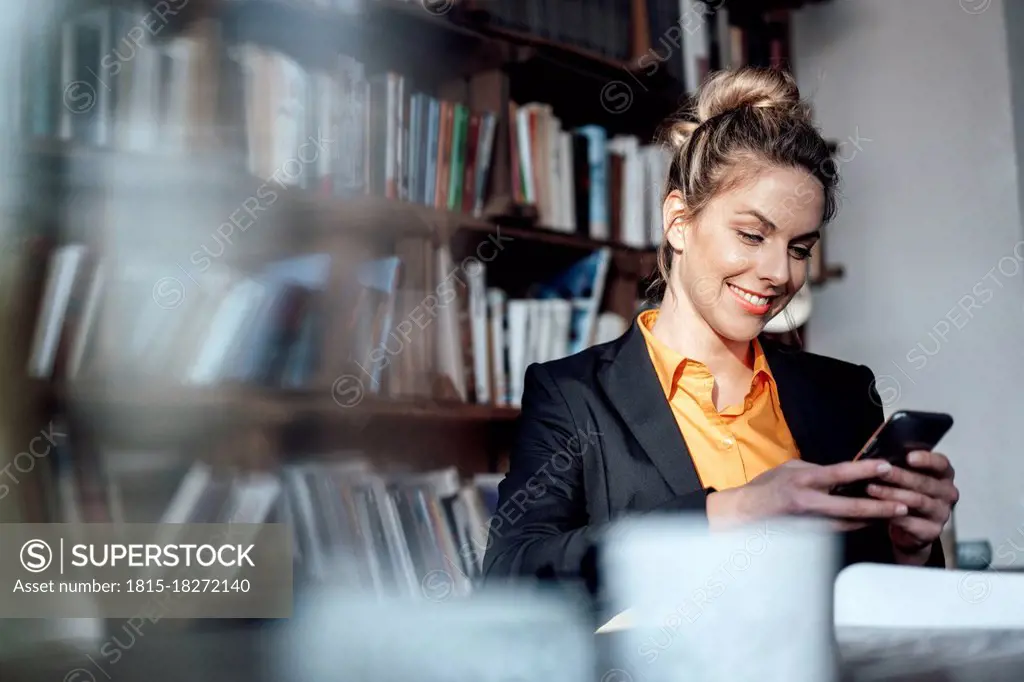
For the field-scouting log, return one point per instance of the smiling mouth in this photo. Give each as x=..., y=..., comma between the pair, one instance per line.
x=754, y=300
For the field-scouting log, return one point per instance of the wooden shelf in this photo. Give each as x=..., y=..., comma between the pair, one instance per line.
x=432, y=410
x=372, y=215
x=627, y=258
x=767, y=5
x=832, y=272
x=124, y=398
x=572, y=54
x=391, y=217
x=231, y=404
x=575, y=57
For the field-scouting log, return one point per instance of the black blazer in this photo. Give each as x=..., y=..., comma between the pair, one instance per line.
x=597, y=440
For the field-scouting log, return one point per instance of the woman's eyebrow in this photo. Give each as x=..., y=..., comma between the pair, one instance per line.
x=761, y=217
x=772, y=227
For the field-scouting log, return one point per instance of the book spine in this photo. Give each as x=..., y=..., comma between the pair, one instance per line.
x=489, y=127
x=391, y=137
x=469, y=175
x=458, y=157
x=401, y=138
x=597, y=159
x=444, y=154
x=513, y=142
x=414, y=148
x=433, y=134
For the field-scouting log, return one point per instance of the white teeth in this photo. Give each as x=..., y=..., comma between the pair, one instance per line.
x=756, y=300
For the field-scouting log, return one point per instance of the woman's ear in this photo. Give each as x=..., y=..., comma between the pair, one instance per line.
x=673, y=220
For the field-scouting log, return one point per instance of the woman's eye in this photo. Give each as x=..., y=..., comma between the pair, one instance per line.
x=801, y=252
x=751, y=237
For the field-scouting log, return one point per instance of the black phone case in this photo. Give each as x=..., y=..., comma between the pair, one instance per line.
x=904, y=432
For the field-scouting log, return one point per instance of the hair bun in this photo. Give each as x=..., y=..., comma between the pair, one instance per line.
x=750, y=87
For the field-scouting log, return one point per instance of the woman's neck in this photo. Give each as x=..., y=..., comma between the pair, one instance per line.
x=680, y=327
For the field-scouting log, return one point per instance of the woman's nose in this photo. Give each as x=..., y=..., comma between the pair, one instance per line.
x=773, y=266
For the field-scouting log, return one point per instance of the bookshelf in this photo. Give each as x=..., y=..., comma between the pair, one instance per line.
x=477, y=55
x=268, y=405
x=134, y=416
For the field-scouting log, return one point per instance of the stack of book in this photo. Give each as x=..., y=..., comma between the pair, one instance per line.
x=582, y=182
x=504, y=335
x=392, y=534
x=351, y=524
x=99, y=322
x=338, y=132
x=101, y=77
x=686, y=38
x=382, y=137
x=397, y=323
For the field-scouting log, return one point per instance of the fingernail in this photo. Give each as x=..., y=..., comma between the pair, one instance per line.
x=914, y=458
x=884, y=467
x=901, y=509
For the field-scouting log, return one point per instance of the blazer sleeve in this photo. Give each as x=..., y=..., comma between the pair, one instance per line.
x=541, y=526
x=872, y=544
x=541, y=522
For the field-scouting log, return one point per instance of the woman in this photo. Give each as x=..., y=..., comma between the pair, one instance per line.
x=689, y=409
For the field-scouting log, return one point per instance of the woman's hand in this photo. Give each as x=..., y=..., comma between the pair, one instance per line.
x=799, y=488
x=928, y=490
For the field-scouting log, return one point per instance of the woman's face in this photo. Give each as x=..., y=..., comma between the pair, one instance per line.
x=746, y=255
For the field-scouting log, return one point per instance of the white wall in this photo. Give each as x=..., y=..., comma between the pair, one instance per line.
x=930, y=207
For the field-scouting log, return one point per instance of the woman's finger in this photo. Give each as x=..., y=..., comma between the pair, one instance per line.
x=935, y=463
x=842, y=526
x=924, y=530
x=920, y=503
x=826, y=477
x=848, y=508
x=922, y=483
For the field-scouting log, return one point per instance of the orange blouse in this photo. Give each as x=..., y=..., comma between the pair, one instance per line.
x=730, y=447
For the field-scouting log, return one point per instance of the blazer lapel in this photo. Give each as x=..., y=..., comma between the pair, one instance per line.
x=628, y=379
x=797, y=398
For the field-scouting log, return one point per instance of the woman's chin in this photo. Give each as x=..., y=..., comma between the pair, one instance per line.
x=740, y=330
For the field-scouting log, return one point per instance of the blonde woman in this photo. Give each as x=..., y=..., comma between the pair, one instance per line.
x=690, y=409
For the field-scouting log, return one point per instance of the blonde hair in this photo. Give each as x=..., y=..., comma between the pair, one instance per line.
x=741, y=122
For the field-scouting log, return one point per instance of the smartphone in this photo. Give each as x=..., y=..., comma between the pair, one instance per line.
x=901, y=434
